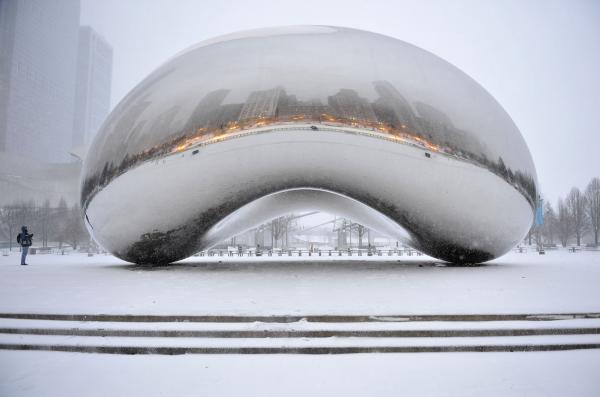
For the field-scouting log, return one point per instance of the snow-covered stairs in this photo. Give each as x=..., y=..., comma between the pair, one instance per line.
x=321, y=334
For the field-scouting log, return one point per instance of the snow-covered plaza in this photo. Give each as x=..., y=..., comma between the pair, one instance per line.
x=557, y=282
x=414, y=324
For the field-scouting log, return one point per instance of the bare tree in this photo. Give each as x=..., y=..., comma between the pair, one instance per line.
x=61, y=217
x=26, y=211
x=290, y=224
x=576, y=205
x=592, y=195
x=44, y=221
x=550, y=223
x=10, y=218
x=75, y=231
x=564, y=224
x=278, y=228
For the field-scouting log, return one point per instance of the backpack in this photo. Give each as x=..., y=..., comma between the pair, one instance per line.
x=24, y=239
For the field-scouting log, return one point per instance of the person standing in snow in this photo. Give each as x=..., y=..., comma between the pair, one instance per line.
x=25, y=239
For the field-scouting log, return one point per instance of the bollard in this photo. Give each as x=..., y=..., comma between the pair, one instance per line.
x=339, y=253
x=289, y=252
x=299, y=252
x=329, y=252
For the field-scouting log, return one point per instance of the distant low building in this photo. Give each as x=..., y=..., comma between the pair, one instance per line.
x=25, y=179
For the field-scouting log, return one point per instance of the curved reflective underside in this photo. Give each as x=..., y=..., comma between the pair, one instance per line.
x=244, y=128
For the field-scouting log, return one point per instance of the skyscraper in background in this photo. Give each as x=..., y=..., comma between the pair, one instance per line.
x=38, y=41
x=92, y=98
x=55, y=79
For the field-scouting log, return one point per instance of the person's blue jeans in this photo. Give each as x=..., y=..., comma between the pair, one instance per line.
x=24, y=251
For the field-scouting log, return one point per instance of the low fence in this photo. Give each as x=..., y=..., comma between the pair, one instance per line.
x=543, y=249
x=309, y=253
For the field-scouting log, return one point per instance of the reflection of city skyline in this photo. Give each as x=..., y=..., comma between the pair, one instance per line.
x=390, y=114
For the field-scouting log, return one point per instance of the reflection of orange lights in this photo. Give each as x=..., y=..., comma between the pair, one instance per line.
x=204, y=134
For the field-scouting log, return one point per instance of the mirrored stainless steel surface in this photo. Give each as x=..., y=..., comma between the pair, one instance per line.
x=247, y=127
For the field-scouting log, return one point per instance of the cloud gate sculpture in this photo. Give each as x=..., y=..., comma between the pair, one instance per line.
x=247, y=127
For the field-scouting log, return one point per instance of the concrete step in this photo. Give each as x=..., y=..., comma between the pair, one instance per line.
x=295, y=318
x=420, y=333
x=465, y=333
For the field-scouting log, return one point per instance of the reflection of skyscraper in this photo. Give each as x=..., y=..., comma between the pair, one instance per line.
x=289, y=106
x=261, y=104
x=225, y=114
x=38, y=52
x=205, y=109
x=163, y=122
x=349, y=105
x=432, y=114
x=439, y=129
x=92, y=98
x=392, y=107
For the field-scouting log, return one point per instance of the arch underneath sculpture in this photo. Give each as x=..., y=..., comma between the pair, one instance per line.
x=306, y=199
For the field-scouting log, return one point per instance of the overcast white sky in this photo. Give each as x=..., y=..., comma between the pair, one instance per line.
x=539, y=59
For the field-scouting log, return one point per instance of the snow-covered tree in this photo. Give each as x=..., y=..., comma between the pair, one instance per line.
x=564, y=225
x=9, y=219
x=75, y=231
x=576, y=205
x=550, y=223
x=60, y=225
x=592, y=195
x=45, y=218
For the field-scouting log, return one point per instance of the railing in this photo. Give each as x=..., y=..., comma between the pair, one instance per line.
x=309, y=253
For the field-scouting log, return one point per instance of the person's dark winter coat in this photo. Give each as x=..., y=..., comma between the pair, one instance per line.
x=25, y=239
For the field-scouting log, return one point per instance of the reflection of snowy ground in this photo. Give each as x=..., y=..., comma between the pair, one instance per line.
x=516, y=283
x=558, y=282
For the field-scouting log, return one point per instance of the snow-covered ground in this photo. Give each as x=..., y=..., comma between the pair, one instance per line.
x=424, y=374
x=558, y=282
x=516, y=283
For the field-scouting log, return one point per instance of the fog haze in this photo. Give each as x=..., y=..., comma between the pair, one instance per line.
x=538, y=59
